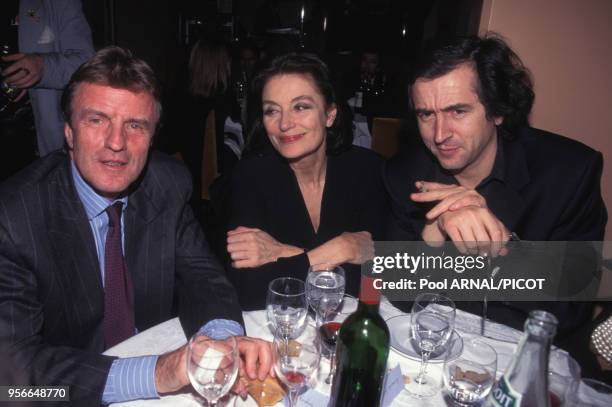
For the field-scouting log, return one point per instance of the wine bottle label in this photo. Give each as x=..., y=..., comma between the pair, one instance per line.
x=503, y=395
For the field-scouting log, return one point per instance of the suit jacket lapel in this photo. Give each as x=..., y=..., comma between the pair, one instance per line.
x=139, y=213
x=505, y=199
x=74, y=248
x=143, y=244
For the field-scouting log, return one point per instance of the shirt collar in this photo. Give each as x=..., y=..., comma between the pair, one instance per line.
x=94, y=203
x=498, y=171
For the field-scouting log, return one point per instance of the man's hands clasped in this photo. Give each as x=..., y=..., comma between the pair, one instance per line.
x=462, y=215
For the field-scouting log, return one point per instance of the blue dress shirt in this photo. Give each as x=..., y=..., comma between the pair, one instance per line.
x=130, y=378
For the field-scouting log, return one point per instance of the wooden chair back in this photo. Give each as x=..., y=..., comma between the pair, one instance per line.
x=386, y=136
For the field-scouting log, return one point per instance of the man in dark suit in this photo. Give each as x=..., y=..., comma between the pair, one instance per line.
x=481, y=175
x=66, y=291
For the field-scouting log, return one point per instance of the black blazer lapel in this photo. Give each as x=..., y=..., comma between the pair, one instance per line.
x=505, y=199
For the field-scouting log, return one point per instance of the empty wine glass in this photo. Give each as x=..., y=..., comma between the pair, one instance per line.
x=329, y=325
x=325, y=288
x=432, y=323
x=286, y=305
x=297, y=360
x=563, y=377
x=470, y=377
x=590, y=393
x=212, y=366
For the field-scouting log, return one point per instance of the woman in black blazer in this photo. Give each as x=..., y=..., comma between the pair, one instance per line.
x=314, y=198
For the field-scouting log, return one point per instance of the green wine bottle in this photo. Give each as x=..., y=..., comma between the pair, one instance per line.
x=361, y=353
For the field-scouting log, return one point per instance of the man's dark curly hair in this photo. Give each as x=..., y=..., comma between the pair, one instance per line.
x=504, y=85
x=339, y=135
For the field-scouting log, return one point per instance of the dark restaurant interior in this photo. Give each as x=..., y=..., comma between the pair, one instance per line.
x=371, y=48
x=163, y=32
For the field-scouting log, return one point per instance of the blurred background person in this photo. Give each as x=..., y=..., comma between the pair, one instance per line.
x=365, y=89
x=209, y=89
x=17, y=128
x=370, y=89
x=54, y=39
x=245, y=60
x=370, y=68
x=311, y=199
x=248, y=57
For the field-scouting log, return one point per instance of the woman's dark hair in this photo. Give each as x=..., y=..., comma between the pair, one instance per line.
x=115, y=67
x=504, y=85
x=339, y=135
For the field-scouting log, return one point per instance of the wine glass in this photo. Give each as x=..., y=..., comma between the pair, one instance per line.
x=563, y=377
x=286, y=305
x=297, y=360
x=325, y=288
x=590, y=393
x=432, y=323
x=329, y=325
x=212, y=366
x=470, y=377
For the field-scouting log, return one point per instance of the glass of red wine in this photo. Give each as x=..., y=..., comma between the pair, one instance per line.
x=297, y=360
x=329, y=325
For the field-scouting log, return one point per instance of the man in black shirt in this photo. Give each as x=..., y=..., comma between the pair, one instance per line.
x=481, y=172
x=482, y=175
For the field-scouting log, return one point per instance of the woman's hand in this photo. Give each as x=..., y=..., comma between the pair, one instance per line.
x=256, y=358
x=358, y=247
x=349, y=247
x=255, y=362
x=252, y=247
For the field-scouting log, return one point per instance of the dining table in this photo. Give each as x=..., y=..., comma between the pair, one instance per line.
x=169, y=335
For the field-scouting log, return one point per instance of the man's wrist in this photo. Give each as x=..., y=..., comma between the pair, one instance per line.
x=432, y=232
x=221, y=329
x=171, y=371
x=131, y=379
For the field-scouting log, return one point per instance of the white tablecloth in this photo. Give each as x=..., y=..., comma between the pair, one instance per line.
x=169, y=335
